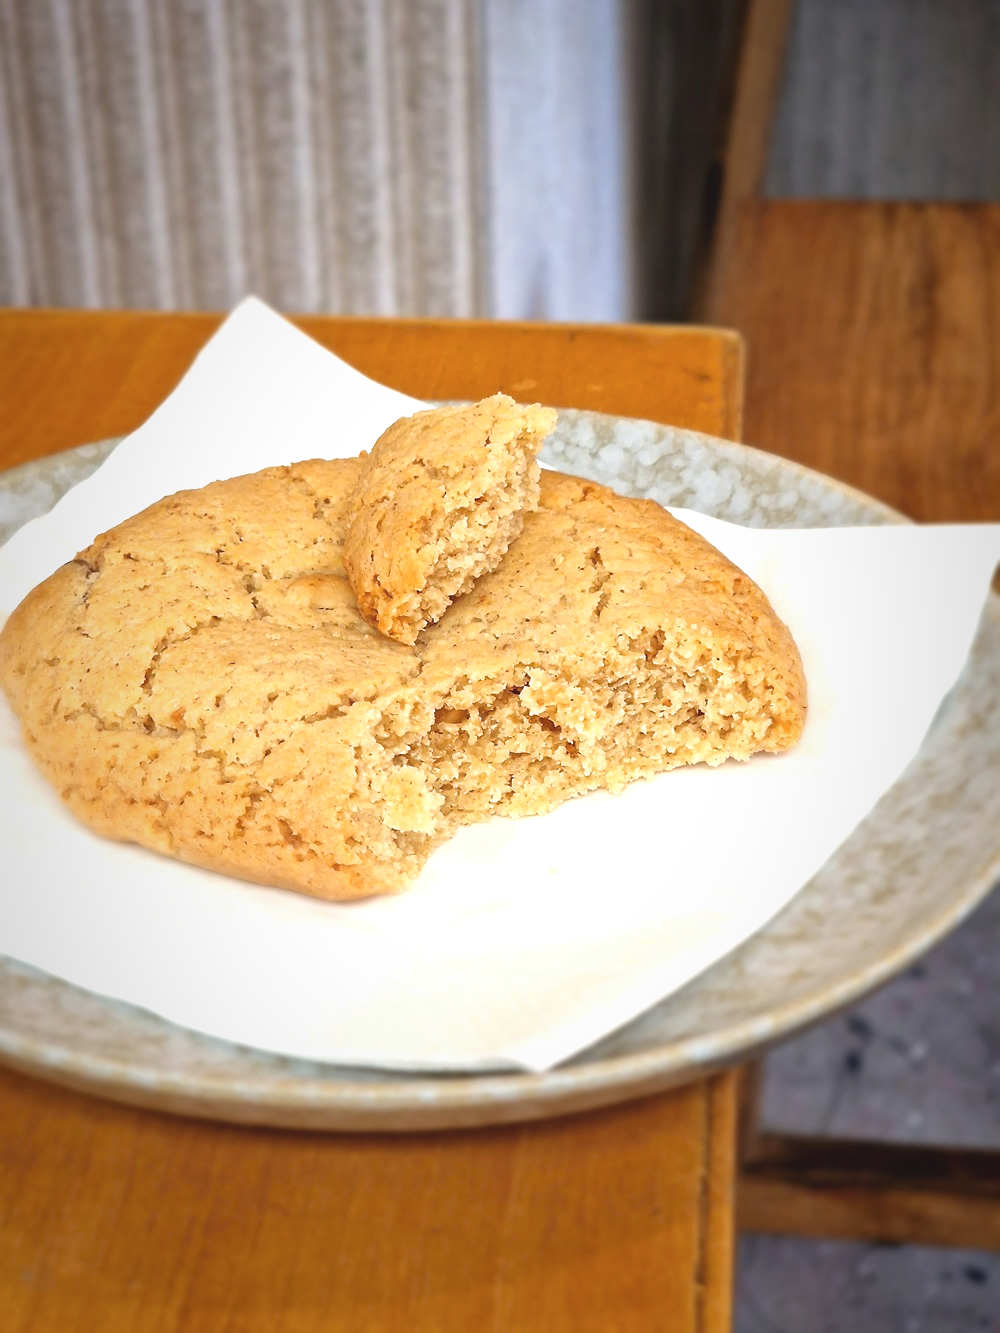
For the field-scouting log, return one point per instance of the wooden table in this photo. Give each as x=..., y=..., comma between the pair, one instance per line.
x=114, y=1219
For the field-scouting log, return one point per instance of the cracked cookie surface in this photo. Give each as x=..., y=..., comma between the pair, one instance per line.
x=201, y=681
x=437, y=503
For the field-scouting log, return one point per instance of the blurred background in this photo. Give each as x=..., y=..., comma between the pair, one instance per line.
x=816, y=173
x=537, y=159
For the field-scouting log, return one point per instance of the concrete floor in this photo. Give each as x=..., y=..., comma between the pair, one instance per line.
x=917, y=1062
x=793, y=1286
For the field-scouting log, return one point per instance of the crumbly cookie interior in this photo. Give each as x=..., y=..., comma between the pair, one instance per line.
x=522, y=742
x=466, y=540
x=201, y=681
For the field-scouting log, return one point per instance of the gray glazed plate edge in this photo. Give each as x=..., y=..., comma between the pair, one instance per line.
x=922, y=860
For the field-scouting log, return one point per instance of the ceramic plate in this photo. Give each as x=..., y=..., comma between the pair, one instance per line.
x=924, y=857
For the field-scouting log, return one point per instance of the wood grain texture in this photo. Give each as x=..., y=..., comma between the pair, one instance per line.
x=874, y=352
x=136, y=1222
x=764, y=38
x=758, y=82
x=70, y=377
x=715, y=1273
x=893, y=1193
x=595, y=1222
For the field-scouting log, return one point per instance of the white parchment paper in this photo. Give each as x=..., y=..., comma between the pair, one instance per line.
x=522, y=941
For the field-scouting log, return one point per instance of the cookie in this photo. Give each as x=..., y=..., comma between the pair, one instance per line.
x=437, y=503
x=201, y=681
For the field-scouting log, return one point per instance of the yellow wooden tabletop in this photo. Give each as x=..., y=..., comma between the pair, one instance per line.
x=114, y=1219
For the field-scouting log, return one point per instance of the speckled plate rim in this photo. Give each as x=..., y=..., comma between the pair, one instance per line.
x=359, y=1100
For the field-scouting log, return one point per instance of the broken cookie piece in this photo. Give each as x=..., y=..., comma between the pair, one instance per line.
x=437, y=503
x=201, y=682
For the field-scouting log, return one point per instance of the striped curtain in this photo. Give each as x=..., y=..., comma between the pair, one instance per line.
x=436, y=157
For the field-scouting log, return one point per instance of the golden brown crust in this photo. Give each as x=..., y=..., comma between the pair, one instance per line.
x=437, y=503
x=200, y=679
